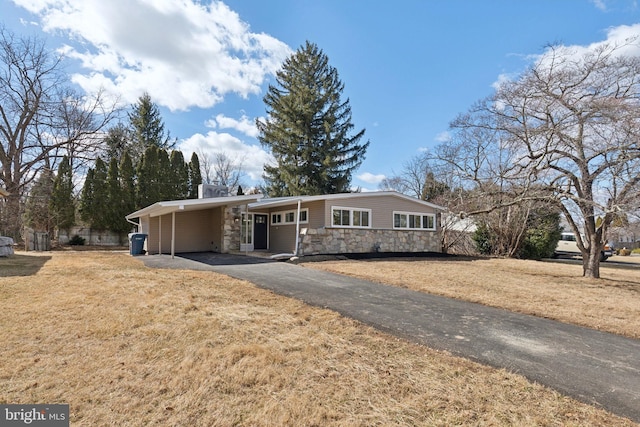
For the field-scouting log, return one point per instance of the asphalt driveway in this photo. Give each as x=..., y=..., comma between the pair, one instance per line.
x=595, y=367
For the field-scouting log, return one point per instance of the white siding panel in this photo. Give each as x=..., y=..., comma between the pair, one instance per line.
x=194, y=231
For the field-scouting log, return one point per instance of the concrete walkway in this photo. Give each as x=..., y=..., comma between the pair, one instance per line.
x=595, y=367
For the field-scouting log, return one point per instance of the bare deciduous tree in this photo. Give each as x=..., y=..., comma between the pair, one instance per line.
x=417, y=179
x=221, y=169
x=41, y=119
x=566, y=131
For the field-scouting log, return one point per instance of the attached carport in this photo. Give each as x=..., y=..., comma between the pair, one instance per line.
x=193, y=225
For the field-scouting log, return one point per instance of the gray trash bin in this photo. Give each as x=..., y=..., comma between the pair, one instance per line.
x=136, y=243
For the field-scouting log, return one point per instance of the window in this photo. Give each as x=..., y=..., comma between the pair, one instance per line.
x=289, y=217
x=350, y=217
x=414, y=221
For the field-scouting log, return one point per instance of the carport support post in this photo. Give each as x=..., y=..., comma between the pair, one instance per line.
x=246, y=229
x=298, y=228
x=160, y=235
x=173, y=234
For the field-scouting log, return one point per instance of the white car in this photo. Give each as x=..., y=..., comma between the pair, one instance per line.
x=567, y=246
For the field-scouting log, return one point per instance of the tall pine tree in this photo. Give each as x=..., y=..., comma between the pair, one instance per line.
x=94, y=202
x=37, y=214
x=114, y=213
x=309, y=129
x=127, y=185
x=62, y=204
x=117, y=142
x=195, y=176
x=179, y=175
x=147, y=127
x=147, y=189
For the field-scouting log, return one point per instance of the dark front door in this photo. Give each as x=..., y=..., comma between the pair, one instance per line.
x=259, y=231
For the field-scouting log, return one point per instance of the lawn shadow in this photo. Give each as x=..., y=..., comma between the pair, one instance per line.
x=21, y=265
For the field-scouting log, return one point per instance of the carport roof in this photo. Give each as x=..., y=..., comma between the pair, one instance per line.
x=167, y=207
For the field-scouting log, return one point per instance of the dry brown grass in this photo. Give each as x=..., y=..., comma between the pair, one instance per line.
x=552, y=290
x=130, y=346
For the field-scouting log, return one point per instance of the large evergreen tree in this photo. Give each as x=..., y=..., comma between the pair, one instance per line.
x=62, y=203
x=195, y=176
x=179, y=176
x=147, y=127
x=114, y=215
x=164, y=177
x=94, y=202
x=37, y=214
x=309, y=129
x=147, y=188
x=127, y=185
x=117, y=142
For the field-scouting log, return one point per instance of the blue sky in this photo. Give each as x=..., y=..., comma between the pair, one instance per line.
x=409, y=66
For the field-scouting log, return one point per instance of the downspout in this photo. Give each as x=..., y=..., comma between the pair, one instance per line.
x=134, y=223
x=159, y=235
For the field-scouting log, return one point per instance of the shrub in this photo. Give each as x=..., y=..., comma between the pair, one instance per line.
x=77, y=241
x=540, y=243
x=482, y=239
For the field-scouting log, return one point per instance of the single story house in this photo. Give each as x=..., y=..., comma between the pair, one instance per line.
x=382, y=221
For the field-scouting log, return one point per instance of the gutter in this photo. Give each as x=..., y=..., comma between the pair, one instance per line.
x=134, y=223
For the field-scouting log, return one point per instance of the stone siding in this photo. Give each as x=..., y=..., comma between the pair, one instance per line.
x=315, y=241
x=231, y=229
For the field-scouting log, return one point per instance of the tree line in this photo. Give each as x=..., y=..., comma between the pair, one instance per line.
x=138, y=167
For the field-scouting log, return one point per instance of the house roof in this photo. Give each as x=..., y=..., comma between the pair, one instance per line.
x=256, y=201
x=163, y=208
x=284, y=201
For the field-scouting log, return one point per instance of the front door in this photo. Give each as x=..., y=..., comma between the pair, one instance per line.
x=260, y=231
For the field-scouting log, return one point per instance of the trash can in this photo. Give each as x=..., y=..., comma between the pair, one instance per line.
x=136, y=243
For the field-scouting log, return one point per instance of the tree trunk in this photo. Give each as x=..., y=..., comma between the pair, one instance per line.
x=591, y=263
x=11, y=215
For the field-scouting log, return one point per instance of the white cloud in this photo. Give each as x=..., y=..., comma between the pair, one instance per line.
x=370, y=178
x=245, y=125
x=182, y=52
x=600, y=4
x=626, y=39
x=503, y=78
x=253, y=157
x=444, y=136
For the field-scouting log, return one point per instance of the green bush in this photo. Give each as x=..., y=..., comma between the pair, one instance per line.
x=482, y=239
x=636, y=251
x=77, y=241
x=540, y=243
